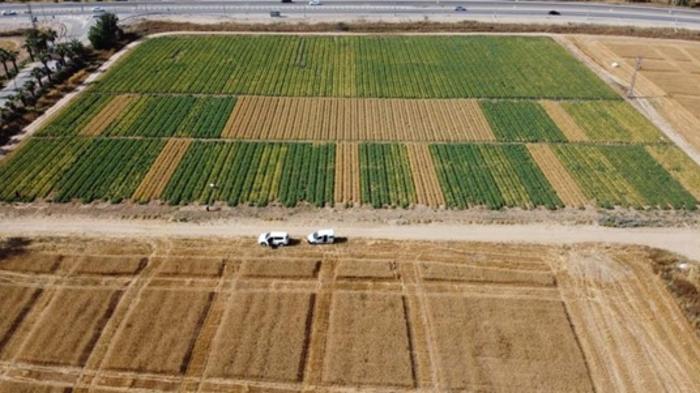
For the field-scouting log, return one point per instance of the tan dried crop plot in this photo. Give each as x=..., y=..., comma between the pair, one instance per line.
x=108, y=114
x=559, y=177
x=76, y=317
x=159, y=333
x=347, y=174
x=221, y=315
x=368, y=341
x=355, y=119
x=428, y=190
x=282, y=319
x=162, y=169
x=564, y=121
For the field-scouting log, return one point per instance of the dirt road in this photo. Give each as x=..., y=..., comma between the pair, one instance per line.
x=685, y=241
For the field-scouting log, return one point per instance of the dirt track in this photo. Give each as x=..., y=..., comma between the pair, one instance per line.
x=685, y=241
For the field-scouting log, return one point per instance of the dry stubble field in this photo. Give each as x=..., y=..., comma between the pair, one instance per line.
x=88, y=315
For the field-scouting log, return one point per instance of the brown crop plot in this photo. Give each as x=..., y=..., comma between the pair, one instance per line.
x=563, y=120
x=558, y=176
x=162, y=169
x=108, y=114
x=347, y=174
x=428, y=191
x=224, y=315
x=352, y=119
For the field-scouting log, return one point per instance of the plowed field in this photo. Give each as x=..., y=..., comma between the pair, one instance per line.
x=223, y=315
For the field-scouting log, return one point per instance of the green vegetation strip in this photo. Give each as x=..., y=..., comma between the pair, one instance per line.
x=73, y=118
x=521, y=121
x=109, y=169
x=32, y=171
x=367, y=66
x=491, y=175
x=385, y=175
x=255, y=173
x=612, y=122
x=623, y=176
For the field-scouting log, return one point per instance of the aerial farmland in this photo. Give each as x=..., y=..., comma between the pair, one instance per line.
x=290, y=132
x=380, y=121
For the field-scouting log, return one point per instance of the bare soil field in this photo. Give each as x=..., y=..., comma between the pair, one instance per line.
x=87, y=314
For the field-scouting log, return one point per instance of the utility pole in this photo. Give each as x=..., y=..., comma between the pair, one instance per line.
x=637, y=67
x=31, y=15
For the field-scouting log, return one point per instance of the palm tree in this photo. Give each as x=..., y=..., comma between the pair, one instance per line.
x=4, y=58
x=61, y=51
x=49, y=35
x=29, y=86
x=12, y=56
x=45, y=58
x=38, y=74
x=77, y=51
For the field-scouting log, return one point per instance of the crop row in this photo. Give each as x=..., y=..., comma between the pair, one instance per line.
x=162, y=116
x=491, y=175
x=108, y=169
x=623, y=176
x=385, y=175
x=32, y=171
x=78, y=114
x=254, y=172
x=377, y=174
x=368, y=66
x=605, y=121
x=521, y=121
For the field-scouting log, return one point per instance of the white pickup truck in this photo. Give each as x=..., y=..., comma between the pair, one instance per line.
x=323, y=236
x=273, y=239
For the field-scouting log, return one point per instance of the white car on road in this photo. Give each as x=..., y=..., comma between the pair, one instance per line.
x=9, y=12
x=323, y=236
x=314, y=2
x=273, y=239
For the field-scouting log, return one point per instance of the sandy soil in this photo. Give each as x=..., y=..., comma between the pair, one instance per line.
x=584, y=318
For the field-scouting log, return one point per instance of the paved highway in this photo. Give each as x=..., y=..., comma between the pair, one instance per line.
x=76, y=15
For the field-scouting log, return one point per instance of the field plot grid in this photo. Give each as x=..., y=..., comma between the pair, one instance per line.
x=382, y=316
x=375, y=121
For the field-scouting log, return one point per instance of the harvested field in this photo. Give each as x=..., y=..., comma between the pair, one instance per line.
x=558, y=176
x=428, y=191
x=158, y=176
x=224, y=315
x=348, y=119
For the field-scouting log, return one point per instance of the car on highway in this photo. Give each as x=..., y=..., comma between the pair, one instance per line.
x=98, y=10
x=273, y=239
x=314, y=2
x=275, y=14
x=554, y=12
x=286, y=1
x=323, y=236
x=9, y=12
x=459, y=8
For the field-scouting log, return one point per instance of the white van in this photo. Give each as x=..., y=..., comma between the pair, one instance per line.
x=323, y=236
x=314, y=2
x=273, y=239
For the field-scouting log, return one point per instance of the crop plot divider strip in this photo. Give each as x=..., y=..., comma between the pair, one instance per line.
x=429, y=326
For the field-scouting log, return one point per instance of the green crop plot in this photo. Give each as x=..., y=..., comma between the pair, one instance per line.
x=386, y=175
x=491, y=175
x=34, y=169
x=70, y=121
x=605, y=121
x=109, y=169
x=371, y=66
x=521, y=121
x=164, y=116
x=624, y=176
x=254, y=173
